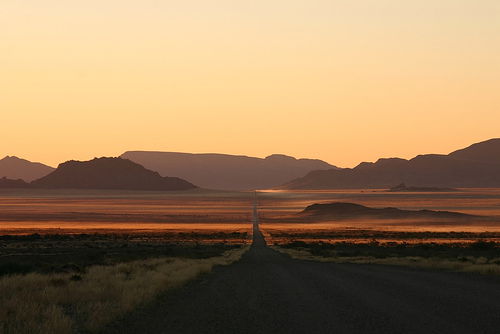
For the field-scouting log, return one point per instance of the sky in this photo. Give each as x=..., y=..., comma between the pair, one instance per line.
x=340, y=80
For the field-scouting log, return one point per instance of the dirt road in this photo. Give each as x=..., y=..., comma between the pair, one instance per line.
x=267, y=292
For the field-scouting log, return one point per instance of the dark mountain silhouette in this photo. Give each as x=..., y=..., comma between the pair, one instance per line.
x=109, y=173
x=404, y=188
x=15, y=168
x=341, y=211
x=486, y=151
x=10, y=183
x=475, y=166
x=227, y=172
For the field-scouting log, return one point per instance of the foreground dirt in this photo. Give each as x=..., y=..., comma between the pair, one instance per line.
x=267, y=292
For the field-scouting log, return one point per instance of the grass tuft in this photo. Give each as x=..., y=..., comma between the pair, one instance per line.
x=60, y=303
x=480, y=265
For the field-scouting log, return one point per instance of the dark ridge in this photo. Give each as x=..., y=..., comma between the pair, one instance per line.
x=477, y=166
x=341, y=210
x=404, y=188
x=109, y=173
x=486, y=151
x=9, y=183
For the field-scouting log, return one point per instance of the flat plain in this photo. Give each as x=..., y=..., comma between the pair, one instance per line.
x=73, y=242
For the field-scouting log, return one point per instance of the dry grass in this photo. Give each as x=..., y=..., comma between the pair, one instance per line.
x=66, y=303
x=468, y=264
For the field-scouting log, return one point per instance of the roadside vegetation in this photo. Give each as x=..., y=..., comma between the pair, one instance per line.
x=79, y=283
x=68, y=303
x=73, y=253
x=422, y=250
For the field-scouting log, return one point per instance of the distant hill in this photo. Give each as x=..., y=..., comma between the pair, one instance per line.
x=344, y=211
x=404, y=188
x=475, y=166
x=10, y=183
x=15, y=168
x=487, y=151
x=227, y=172
x=109, y=173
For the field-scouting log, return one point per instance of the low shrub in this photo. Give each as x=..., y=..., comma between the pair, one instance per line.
x=61, y=303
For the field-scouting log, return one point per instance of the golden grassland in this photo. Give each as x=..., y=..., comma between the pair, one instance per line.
x=451, y=251
x=480, y=265
x=65, y=303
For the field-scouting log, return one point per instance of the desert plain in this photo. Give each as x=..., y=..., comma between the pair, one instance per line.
x=77, y=242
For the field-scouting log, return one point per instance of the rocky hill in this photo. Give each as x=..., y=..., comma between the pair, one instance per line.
x=109, y=173
x=341, y=211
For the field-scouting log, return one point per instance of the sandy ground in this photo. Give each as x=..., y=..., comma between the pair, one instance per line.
x=61, y=211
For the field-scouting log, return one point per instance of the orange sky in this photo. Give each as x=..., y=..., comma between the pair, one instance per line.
x=343, y=81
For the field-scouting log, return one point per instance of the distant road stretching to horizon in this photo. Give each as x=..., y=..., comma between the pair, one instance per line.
x=267, y=292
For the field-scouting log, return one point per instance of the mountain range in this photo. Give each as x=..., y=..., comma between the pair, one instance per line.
x=227, y=172
x=15, y=168
x=475, y=166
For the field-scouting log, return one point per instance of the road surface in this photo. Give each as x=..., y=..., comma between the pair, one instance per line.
x=267, y=292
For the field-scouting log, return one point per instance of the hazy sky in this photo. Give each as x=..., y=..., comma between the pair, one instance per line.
x=343, y=81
